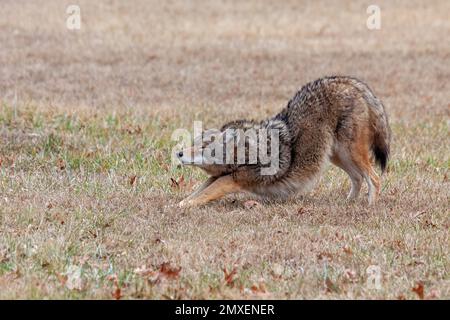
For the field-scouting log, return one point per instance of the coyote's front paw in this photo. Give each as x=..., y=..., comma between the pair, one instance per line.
x=185, y=203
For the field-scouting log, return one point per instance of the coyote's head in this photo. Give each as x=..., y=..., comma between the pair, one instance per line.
x=211, y=151
x=239, y=145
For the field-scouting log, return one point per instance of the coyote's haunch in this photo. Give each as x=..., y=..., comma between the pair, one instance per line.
x=333, y=118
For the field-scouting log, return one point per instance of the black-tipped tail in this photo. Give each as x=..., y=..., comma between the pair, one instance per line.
x=381, y=153
x=382, y=130
x=381, y=146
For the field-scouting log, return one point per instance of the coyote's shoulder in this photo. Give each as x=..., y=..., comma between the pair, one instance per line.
x=335, y=118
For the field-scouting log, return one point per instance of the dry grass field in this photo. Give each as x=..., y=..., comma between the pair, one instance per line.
x=88, y=193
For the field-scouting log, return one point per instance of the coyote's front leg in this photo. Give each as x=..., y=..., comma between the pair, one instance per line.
x=204, y=185
x=212, y=189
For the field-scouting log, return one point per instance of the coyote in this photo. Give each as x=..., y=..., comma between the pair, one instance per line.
x=335, y=118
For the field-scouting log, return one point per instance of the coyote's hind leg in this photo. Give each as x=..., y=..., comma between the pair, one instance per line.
x=215, y=189
x=361, y=158
x=343, y=161
x=373, y=181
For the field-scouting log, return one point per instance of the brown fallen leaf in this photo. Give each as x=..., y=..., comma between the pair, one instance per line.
x=330, y=286
x=302, y=211
x=415, y=263
x=419, y=290
x=159, y=240
x=132, y=130
x=181, y=182
x=61, y=278
x=351, y=275
x=174, y=183
x=177, y=184
x=429, y=224
x=169, y=272
x=144, y=271
x=324, y=256
x=347, y=250
x=259, y=288
x=229, y=276
x=61, y=164
x=165, y=272
x=132, y=180
x=151, y=57
x=117, y=293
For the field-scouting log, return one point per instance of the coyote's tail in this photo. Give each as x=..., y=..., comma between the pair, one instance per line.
x=381, y=149
x=382, y=131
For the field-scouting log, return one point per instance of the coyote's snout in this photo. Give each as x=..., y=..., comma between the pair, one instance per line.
x=333, y=118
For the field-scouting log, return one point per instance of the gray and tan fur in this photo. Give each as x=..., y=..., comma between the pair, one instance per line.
x=335, y=119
